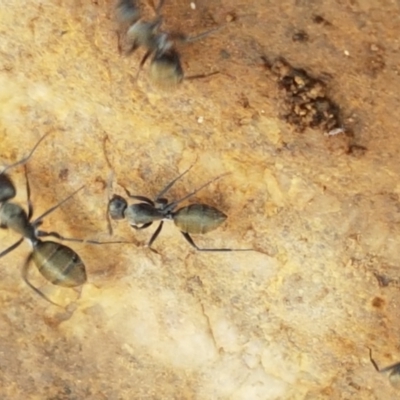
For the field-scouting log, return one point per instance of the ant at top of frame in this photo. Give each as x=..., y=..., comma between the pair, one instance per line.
x=165, y=66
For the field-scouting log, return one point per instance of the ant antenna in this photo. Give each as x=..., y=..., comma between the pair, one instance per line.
x=50, y=210
x=25, y=159
x=175, y=203
x=165, y=190
x=25, y=269
x=109, y=183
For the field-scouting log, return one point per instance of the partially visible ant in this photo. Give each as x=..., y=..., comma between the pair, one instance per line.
x=165, y=66
x=58, y=263
x=7, y=188
x=192, y=219
x=394, y=374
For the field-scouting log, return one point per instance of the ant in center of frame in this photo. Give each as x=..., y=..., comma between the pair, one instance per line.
x=195, y=218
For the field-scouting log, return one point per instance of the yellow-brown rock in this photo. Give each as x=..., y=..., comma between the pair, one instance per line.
x=292, y=320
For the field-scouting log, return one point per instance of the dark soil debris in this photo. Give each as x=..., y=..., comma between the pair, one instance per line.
x=378, y=302
x=318, y=19
x=306, y=102
x=300, y=36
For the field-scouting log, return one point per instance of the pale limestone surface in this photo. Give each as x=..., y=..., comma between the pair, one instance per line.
x=292, y=320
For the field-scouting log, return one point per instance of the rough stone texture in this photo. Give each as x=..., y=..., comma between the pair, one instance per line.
x=293, y=320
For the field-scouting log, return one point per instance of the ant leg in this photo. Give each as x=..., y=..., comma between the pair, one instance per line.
x=109, y=184
x=25, y=269
x=191, y=242
x=65, y=239
x=28, y=194
x=157, y=9
x=140, y=198
x=119, y=47
x=11, y=248
x=144, y=59
x=109, y=225
x=373, y=361
x=188, y=39
x=394, y=368
x=201, y=76
x=144, y=226
x=155, y=235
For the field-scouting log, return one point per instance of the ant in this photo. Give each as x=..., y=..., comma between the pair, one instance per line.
x=195, y=218
x=165, y=66
x=394, y=375
x=58, y=263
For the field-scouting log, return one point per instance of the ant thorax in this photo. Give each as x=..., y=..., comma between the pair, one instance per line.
x=145, y=34
x=169, y=216
x=14, y=217
x=163, y=42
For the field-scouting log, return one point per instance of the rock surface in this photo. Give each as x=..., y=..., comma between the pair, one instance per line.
x=292, y=320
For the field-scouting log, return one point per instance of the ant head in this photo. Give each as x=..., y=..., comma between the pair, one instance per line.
x=116, y=207
x=165, y=69
x=7, y=189
x=127, y=11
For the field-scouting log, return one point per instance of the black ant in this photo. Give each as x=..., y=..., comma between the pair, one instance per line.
x=58, y=263
x=165, y=66
x=195, y=218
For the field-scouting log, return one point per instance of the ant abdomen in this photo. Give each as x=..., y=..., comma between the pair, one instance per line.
x=7, y=189
x=166, y=69
x=59, y=264
x=198, y=218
